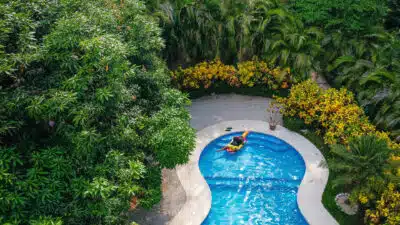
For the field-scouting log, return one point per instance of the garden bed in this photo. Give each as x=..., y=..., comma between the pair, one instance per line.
x=328, y=198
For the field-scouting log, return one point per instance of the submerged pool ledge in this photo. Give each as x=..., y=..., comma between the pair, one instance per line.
x=198, y=194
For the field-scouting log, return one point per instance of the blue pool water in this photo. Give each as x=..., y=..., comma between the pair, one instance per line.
x=257, y=185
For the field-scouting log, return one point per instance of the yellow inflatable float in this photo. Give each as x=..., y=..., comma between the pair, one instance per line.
x=232, y=147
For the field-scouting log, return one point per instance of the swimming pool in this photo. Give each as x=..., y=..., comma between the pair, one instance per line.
x=257, y=185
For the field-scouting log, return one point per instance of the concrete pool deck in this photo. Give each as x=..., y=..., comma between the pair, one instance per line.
x=198, y=194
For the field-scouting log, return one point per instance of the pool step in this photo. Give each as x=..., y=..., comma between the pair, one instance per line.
x=260, y=145
x=266, y=183
x=255, y=137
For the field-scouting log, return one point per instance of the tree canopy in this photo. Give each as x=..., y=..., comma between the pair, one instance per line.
x=87, y=119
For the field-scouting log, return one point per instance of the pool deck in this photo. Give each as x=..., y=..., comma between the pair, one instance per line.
x=198, y=194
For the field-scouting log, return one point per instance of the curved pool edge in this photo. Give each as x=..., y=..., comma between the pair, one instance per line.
x=198, y=194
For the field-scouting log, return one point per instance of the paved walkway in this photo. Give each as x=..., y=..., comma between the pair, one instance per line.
x=321, y=81
x=210, y=110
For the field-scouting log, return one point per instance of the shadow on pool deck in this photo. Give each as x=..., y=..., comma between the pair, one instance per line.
x=174, y=198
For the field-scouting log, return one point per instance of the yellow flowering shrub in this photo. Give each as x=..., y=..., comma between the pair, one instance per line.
x=204, y=74
x=387, y=209
x=363, y=198
x=333, y=111
x=255, y=72
x=369, y=191
x=248, y=74
x=338, y=118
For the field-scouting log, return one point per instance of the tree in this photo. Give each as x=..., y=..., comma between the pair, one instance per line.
x=349, y=16
x=393, y=16
x=77, y=116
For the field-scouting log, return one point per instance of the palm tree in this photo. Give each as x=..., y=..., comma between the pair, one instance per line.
x=269, y=17
x=365, y=156
x=190, y=31
x=296, y=47
x=384, y=106
x=231, y=30
x=234, y=30
x=357, y=61
x=371, y=68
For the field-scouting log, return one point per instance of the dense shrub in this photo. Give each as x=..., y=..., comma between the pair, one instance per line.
x=334, y=112
x=87, y=120
x=247, y=74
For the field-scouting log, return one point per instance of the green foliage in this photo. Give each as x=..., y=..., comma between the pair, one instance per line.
x=366, y=156
x=171, y=136
x=358, y=53
x=351, y=16
x=296, y=47
x=46, y=221
x=293, y=123
x=393, y=17
x=87, y=119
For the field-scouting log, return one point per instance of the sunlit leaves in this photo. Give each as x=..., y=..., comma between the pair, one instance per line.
x=82, y=98
x=100, y=188
x=46, y=221
x=103, y=95
x=172, y=143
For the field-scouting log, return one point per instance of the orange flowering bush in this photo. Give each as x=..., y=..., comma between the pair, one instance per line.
x=248, y=74
x=333, y=111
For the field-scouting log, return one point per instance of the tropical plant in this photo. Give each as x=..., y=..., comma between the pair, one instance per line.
x=189, y=31
x=364, y=157
x=386, y=103
x=232, y=30
x=370, y=69
x=296, y=47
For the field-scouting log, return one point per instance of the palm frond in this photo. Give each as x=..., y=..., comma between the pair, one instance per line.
x=378, y=76
x=340, y=61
